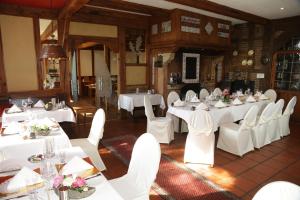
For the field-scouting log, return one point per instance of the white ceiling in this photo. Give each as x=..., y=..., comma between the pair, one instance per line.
x=269, y=9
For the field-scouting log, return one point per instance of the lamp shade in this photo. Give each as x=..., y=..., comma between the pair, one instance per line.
x=53, y=51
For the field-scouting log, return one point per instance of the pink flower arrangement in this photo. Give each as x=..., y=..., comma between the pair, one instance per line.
x=225, y=92
x=79, y=184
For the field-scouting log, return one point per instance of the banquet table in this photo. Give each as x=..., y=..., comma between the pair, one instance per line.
x=230, y=113
x=19, y=146
x=60, y=115
x=132, y=100
x=103, y=188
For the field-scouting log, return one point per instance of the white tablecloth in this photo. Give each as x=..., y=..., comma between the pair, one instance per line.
x=219, y=115
x=103, y=188
x=14, y=146
x=129, y=101
x=60, y=115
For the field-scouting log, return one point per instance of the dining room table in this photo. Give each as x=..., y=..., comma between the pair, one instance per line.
x=59, y=114
x=103, y=189
x=17, y=141
x=130, y=101
x=227, y=114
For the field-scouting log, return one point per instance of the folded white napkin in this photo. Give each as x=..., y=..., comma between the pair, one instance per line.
x=75, y=166
x=178, y=102
x=195, y=99
x=257, y=94
x=250, y=99
x=47, y=122
x=14, y=128
x=237, y=101
x=9, y=165
x=23, y=178
x=220, y=104
x=14, y=109
x=202, y=106
x=263, y=97
x=239, y=94
x=39, y=104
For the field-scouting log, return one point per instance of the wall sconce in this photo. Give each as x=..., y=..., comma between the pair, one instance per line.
x=235, y=53
x=250, y=52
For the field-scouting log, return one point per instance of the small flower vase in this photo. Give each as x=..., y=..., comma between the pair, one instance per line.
x=74, y=194
x=63, y=193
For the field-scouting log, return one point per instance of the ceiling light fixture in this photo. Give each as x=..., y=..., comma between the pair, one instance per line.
x=52, y=50
x=282, y=8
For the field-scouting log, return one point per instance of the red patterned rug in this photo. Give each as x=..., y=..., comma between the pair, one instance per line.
x=174, y=180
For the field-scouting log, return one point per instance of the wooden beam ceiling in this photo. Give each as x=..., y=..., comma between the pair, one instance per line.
x=11, y=9
x=221, y=9
x=130, y=7
x=110, y=17
x=71, y=7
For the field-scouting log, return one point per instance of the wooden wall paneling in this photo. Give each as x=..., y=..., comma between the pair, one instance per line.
x=37, y=41
x=3, y=86
x=10, y=9
x=122, y=59
x=223, y=10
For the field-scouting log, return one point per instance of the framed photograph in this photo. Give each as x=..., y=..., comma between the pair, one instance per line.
x=166, y=26
x=154, y=29
x=190, y=67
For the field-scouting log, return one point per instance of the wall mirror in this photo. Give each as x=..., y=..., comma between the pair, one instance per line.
x=190, y=67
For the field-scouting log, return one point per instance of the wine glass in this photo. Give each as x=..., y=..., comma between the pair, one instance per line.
x=24, y=104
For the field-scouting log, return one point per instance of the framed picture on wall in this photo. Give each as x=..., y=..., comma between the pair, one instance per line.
x=190, y=67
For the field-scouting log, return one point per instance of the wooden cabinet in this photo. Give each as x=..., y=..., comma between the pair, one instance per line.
x=185, y=28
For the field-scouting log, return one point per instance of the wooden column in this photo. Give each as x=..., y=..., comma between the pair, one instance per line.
x=3, y=86
x=37, y=41
x=122, y=54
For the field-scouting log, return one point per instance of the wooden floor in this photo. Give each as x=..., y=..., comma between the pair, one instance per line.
x=241, y=176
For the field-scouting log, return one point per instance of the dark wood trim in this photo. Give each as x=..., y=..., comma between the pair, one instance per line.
x=11, y=9
x=71, y=7
x=37, y=45
x=79, y=71
x=109, y=17
x=93, y=62
x=107, y=57
x=134, y=64
x=112, y=43
x=122, y=54
x=49, y=30
x=3, y=86
x=223, y=10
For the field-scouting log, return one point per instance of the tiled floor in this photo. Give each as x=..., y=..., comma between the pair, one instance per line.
x=242, y=176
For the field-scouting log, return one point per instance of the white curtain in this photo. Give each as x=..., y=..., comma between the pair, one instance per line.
x=103, y=78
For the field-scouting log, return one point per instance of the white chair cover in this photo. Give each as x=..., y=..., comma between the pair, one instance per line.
x=271, y=94
x=259, y=133
x=90, y=144
x=143, y=167
x=217, y=92
x=200, y=141
x=274, y=124
x=160, y=127
x=189, y=95
x=172, y=97
x=203, y=93
x=236, y=139
x=285, y=118
x=278, y=190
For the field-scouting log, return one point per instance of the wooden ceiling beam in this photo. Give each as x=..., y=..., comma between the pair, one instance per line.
x=109, y=17
x=222, y=10
x=130, y=7
x=11, y=9
x=49, y=30
x=71, y=7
